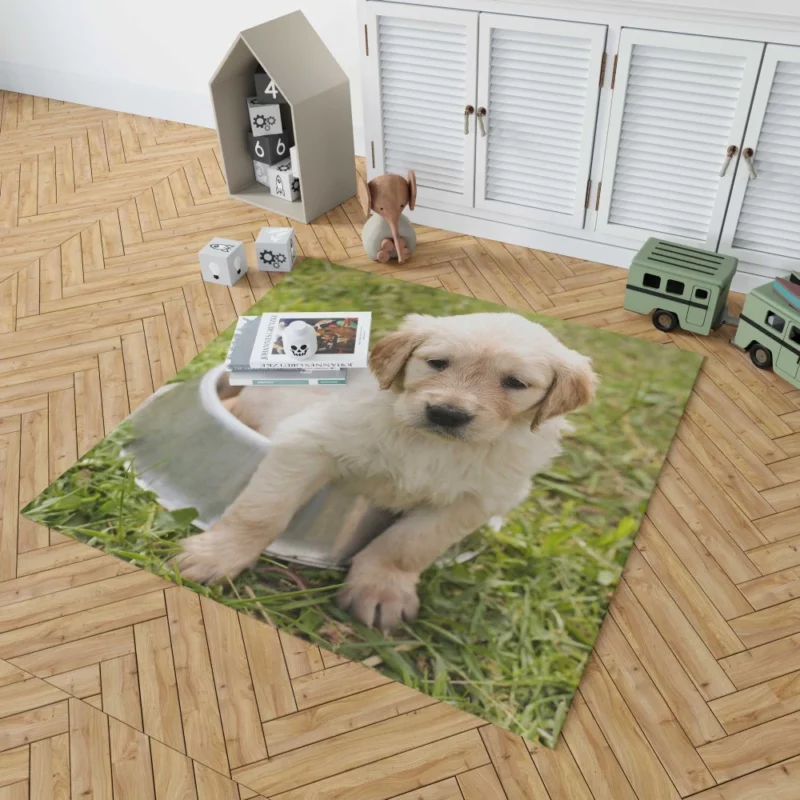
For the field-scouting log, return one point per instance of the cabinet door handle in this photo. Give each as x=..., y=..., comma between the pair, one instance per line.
x=747, y=155
x=467, y=111
x=481, y=114
x=731, y=152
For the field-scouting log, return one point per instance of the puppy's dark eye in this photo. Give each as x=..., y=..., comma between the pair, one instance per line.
x=513, y=383
x=438, y=363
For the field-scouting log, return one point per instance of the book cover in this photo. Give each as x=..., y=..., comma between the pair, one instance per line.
x=312, y=341
x=241, y=346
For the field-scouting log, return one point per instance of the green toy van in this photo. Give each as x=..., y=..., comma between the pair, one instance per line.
x=769, y=330
x=681, y=286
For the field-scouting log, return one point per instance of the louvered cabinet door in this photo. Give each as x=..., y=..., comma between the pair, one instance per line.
x=420, y=78
x=538, y=83
x=679, y=102
x=762, y=225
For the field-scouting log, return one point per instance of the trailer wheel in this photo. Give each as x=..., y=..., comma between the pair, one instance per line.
x=761, y=357
x=665, y=320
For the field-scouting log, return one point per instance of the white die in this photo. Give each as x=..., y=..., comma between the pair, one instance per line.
x=282, y=183
x=265, y=118
x=262, y=175
x=276, y=249
x=223, y=261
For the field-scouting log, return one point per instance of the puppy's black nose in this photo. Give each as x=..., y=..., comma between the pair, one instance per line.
x=448, y=416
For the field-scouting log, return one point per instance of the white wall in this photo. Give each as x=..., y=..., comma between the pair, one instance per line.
x=151, y=57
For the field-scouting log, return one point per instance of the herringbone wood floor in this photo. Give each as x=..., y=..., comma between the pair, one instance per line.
x=116, y=684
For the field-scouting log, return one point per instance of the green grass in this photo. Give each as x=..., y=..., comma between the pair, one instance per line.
x=508, y=618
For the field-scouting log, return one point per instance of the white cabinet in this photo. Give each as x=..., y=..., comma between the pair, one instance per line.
x=538, y=87
x=423, y=77
x=679, y=102
x=762, y=225
x=525, y=89
x=590, y=133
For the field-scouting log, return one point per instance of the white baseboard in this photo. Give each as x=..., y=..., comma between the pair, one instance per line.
x=147, y=101
x=613, y=255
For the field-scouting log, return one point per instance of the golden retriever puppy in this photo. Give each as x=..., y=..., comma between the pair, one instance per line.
x=455, y=417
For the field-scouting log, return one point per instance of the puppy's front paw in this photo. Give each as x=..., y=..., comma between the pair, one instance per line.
x=211, y=556
x=379, y=596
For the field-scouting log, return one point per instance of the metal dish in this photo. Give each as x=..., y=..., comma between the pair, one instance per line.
x=192, y=452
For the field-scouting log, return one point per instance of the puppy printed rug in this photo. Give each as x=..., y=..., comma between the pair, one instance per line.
x=505, y=467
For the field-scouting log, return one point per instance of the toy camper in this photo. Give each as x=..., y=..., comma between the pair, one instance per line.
x=680, y=286
x=685, y=287
x=769, y=328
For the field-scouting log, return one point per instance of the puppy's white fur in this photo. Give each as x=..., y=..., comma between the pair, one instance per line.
x=514, y=379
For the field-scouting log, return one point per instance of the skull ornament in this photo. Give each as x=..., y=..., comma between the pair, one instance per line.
x=299, y=339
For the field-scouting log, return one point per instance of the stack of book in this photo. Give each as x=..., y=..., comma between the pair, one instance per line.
x=298, y=349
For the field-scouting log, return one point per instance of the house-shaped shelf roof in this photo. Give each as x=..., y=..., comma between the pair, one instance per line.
x=318, y=91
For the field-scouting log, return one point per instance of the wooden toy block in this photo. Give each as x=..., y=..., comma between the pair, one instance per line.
x=267, y=90
x=281, y=181
x=276, y=249
x=223, y=261
x=262, y=174
x=268, y=118
x=272, y=148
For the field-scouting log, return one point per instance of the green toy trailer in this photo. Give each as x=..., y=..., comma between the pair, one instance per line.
x=769, y=329
x=685, y=287
x=680, y=286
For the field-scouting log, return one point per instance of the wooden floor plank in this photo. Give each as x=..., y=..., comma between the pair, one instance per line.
x=399, y=774
x=202, y=724
x=630, y=746
x=354, y=749
x=119, y=679
x=14, y=766
x=719, y=636
x=520, y=779
x=131, y=767
x=685, y=642
x=683, y=765
x=676, y=687
x=173, y=774
x=50, y=768
x=244, y=739
x=272, y=684
x=33, y=477
x=753, y=749
x=90, y=754
x=161, y=712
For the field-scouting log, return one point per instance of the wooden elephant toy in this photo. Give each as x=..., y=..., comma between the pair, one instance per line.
x=387, y=233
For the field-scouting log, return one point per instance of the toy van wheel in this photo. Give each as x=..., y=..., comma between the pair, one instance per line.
x=761, y=357
x=665, y=320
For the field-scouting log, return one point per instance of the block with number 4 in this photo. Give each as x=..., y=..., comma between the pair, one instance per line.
x=268, y=118
x=267, y=90
x=272, y=148
x=281, y=181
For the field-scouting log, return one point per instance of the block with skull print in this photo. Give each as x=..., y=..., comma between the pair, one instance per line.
x=268, y=118
x=282, y=183
x=223, y=261
x=276, y=249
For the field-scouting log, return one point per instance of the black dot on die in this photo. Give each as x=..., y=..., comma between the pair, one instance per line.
x=238, y=272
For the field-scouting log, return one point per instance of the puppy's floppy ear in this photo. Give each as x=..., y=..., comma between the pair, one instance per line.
x=573, y=386
x=389, y=356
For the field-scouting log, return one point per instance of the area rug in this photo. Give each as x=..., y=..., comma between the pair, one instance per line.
x=508, y=616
